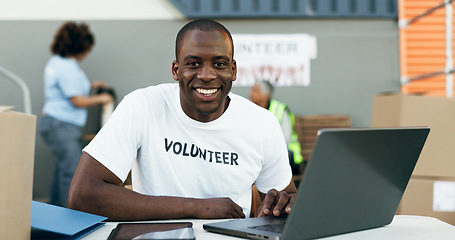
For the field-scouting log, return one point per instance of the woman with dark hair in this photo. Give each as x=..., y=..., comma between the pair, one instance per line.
x=66, y=90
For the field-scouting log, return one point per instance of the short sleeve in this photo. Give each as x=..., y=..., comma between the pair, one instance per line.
x=72, y=81
x=117, y=143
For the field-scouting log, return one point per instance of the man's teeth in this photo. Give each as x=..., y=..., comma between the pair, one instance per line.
x=206, y=92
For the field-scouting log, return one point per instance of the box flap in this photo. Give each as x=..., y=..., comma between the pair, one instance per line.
x=5, y=108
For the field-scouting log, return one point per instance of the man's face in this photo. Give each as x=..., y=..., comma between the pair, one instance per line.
x=205, y=71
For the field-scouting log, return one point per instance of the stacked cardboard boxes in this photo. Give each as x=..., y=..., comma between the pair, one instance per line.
x=308, y=126
x=17, y=149
x=431, y=190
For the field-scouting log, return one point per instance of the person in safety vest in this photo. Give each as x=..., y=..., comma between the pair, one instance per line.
x=261, y=94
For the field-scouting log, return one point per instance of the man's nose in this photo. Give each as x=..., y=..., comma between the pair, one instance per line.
x=207, y=73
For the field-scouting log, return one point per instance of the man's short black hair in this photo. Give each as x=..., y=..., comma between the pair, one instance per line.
x=205, y=25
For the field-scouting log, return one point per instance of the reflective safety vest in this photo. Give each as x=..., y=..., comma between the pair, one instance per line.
x=278, y=109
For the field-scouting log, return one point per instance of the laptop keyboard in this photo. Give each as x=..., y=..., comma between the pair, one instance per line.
x=277, y=228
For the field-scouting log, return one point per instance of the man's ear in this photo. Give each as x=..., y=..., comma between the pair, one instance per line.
x=234, y=70
x=175, y=68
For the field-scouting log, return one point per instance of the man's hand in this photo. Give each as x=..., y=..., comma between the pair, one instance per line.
x=276, y=203
x=218, y=208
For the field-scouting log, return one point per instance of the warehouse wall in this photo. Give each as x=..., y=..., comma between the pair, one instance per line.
x=356, y=59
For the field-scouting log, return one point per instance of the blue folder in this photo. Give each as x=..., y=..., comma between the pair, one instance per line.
x=54, y=222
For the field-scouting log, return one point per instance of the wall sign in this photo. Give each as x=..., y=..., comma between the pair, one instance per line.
x=282, y=59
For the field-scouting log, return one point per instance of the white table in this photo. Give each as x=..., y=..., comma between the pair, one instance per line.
x=402, y=227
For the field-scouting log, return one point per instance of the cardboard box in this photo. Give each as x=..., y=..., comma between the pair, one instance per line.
x=433, y=197
x=438, y=155
x=17, y=150
x=308, y=126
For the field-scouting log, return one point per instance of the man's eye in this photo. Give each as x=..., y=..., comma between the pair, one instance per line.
x=219, y=64
x=193, y=64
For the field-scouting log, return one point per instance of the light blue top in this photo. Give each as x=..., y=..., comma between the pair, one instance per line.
x=63, y=79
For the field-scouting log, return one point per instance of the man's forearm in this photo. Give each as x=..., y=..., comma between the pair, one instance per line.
x=121, y=204
x=95, y=189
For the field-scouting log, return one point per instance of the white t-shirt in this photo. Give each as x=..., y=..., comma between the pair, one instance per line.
x=171, y=154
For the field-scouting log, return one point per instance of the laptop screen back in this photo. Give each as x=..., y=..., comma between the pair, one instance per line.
x=354, y=180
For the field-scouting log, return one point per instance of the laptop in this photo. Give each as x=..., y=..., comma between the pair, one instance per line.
x=353, y=181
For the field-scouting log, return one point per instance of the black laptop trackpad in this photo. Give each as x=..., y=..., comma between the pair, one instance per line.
x=274, y=227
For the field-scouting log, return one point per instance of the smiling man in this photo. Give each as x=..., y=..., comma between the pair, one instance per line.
x=194, y=148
